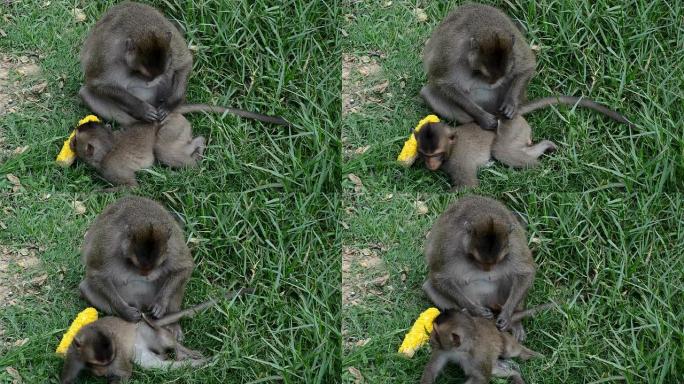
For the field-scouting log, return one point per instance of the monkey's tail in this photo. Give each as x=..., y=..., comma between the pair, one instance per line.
x=189, y=312
x=188, y=108
x=572, y=100
x=531, y=311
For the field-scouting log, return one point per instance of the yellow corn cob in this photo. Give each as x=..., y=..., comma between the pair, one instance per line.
x=66, y=156
x=419, y=333
x=410, y=151
x=85, y=317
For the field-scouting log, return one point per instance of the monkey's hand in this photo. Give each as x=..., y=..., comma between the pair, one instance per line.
x=483, y=312
x=509, y=107
x=159, y=308
x=162, y=113
x=149, y=113
x=487, y=121
x=131, y=314
x=503, y=322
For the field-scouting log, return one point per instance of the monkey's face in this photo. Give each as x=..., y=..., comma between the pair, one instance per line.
x=445, y=334
x=490, y=58
x=148, y=57
x=488, y=244
x=91, y=142
x=434, y=144
x=146, y=248
x=96, y=349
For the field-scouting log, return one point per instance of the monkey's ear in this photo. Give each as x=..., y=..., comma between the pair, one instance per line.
x=72, y=143
x=456, y=339
x=108, y=127
x=167, y=37
x=129, y=45
x=90, y=150
x=473, y=44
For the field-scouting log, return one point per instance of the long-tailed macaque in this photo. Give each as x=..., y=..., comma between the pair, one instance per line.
x=118, y=155
x=478, y=66
x=110, y=346
x=479, y=260
x=460, y=151
x=136, y=261
x=476, y=345
x=136, y=65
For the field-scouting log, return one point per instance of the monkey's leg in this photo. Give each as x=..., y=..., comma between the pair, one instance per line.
x=433, y=368
x=513, y=348
x=185, y=353
x=514, y=156
x=102, y=294
x=455, y=294
x=463, y=173
x=180, y=84
x=441, y=301
x=457, y=96
x=120, y=176
x=515, y=93
x=130, y=104
x=198, y=144
x=105, y=108
x=505, y=369
x=444, y=107
x=521, y=284
x=541, y=148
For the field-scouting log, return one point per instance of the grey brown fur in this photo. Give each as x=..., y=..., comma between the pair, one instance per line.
x=136, y=260
x=114, y=86
x=478, y=66
x=478, y=260
x=118, y=155
x=476, y=345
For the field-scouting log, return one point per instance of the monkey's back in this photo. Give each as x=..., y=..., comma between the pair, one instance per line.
x=107, y=37
x=105, y=234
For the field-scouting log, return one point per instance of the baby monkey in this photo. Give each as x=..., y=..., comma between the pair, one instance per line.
x=477, y=346
x=118, y=155
x=462, y=150
x=110, y=346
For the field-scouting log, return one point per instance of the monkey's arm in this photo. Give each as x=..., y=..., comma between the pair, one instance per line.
x=180, y=84
x=455, y=293
x=515, y=92
x=458, y=96
x=171, y=290
x=432, y=369
x=99, y=288
x=128, y=102
x=521, y=284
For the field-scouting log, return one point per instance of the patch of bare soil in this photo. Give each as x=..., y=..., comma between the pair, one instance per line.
x=21, y=273
x=363, y=273
x=19, y=81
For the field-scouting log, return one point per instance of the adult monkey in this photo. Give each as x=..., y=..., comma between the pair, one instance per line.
x=136, y=65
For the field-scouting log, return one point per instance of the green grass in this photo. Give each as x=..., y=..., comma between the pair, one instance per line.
x=626, y=55
x=613, y=261
x=270, y=57
x=259, y=211
x=285, y=247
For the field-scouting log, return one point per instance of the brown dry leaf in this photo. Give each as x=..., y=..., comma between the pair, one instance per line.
x=13, y=179
x=20, y=343
x=28, y=69
x=363, y=342
x=15, y=375
x=382, y=280
x=535, y=47
x=40, y=280
x=362, y=150
x=421, y=16
x=3, y=225
x=381, y=88
x=421, y=207
x=358, y=184
x=40, y=87
x=20, y=150
x=535, y=240
x=79, y=207
x=369, y=69
x=358, y=377
x=3, y=33
x=79, y=15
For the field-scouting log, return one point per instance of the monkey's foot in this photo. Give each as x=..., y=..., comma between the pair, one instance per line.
x=518, y=332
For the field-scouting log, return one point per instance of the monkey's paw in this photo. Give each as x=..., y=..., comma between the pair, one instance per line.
x=503, y=322
x=487, y=121
x=162, y=113
x=483, y=312
x=508, y=108
x=150, y=114
x=158, y=309
x=131, y=314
